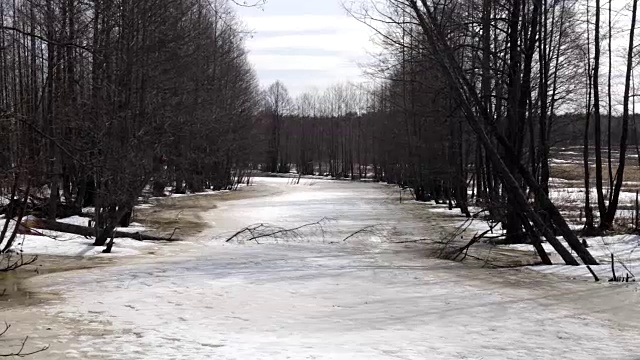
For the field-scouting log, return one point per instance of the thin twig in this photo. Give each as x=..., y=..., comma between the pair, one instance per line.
x=364, y=229
x=6, y=327
x=20, y=352
x=255, y=235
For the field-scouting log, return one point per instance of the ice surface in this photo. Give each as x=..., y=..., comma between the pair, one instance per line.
x=320, y=298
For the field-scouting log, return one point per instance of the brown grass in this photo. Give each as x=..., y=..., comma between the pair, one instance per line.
x=575, y=172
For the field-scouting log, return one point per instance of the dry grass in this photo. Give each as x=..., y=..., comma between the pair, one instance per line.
x=572, y=179
x=575, y=172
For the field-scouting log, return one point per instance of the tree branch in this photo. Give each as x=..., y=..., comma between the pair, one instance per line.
x=50, y=42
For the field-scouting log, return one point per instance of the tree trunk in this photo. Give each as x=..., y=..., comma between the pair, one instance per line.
x=90, y=232
x=602, y=209
x=466, y=94
x=607, y=222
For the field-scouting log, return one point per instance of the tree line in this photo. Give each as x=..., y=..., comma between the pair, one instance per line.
x=102, y=100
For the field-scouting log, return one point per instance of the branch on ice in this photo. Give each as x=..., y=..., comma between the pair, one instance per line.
x=262, y=231
x=21, y=352
x=9, y=263
x=370, y=230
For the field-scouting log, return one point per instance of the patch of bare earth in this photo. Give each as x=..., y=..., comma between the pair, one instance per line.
x=183, y=214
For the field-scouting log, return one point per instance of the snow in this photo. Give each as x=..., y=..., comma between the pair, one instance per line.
x=88, y=210
x=305, y=302
x=581, y=272
x=625, y=248
x=75, y=220
x=65, y=244
x=571, y=153
x=168, y=192
x=557, y=182
x=575, y=196
x=562, y=162
x=307, y=299
x=73, y=245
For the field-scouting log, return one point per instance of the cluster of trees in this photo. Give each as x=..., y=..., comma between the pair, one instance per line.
x=102, y=99
x=470, y=99
x=387, y=133
x=328, y=133
x=510, y=68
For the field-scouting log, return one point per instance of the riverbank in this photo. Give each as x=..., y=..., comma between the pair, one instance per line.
x=59, y=252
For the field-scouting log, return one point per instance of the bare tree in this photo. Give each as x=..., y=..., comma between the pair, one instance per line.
x=100, y=99
x=277, y=103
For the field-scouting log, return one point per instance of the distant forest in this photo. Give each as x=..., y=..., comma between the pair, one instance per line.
x=569, y=130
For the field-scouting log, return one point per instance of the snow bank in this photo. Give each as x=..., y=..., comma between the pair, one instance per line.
x=560, y=161
x=60, y=244
x=625, y=249
x=64, y=244
x=168, y=192
x=205, y=192
x=575, y=196
x=75, y=220
x=581, y=272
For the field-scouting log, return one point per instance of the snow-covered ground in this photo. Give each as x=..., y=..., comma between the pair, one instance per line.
x=317, y=297
x=47, y=242
x=576, y=196
x=625, y=248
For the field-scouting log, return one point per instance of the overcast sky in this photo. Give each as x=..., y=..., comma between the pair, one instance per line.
x=306, y=43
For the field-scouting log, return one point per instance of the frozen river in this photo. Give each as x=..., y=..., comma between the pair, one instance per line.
x=317, y=297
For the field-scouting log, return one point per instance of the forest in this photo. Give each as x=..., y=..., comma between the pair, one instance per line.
x=104, y=101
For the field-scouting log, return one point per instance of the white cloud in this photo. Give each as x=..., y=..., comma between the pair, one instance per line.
x=318, y=80
x=353, y=42
x=298, y=62
x=301, y=23
x=307, y=43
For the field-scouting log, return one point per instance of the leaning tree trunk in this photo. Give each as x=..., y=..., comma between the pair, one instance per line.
x=90, y=232
x=469, y=99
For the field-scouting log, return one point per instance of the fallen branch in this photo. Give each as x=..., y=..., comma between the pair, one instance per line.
x=368, y=229
x=462, y=228
x=261, y=230
x=90, y=232
x=412, y=241
x=20, y=352
x=13, y=265
x=477, y=237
